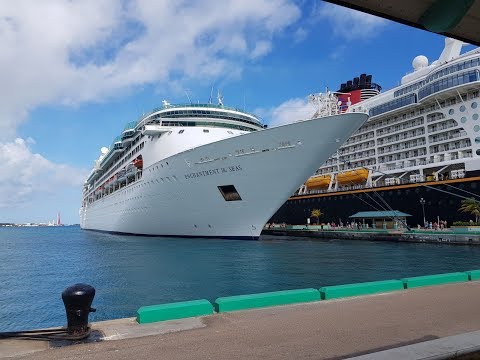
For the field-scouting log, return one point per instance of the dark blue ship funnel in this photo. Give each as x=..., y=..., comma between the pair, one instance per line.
x=78, y=299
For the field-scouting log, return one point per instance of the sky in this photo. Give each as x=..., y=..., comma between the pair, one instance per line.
x=74, y=72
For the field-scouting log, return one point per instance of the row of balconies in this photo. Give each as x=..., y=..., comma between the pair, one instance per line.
x=366, y=128
x=447, y=147
x=364, y=163
x=399, y=137
x=397, y=120
x=447, y=136
x=351, y=149
x=441, y=126
x=423, y=161
x=361, y=155
x=435, y=117
x=396, y=128
x=401, y=146
x=357, y=138
x=402, y=156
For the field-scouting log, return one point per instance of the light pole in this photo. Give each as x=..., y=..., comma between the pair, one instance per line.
x=422, y=202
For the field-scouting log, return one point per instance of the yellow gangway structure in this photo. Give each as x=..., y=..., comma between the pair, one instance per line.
x=353, y=177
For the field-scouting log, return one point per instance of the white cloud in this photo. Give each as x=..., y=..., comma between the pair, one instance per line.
x=74, y=51
x=350, y=24
x=60, y=51
x=26, y=174
x=288, y=112
x=339, y=52
x=261, y=48
x=299, y=35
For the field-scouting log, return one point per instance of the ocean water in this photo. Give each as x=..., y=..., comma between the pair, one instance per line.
x=37, y=264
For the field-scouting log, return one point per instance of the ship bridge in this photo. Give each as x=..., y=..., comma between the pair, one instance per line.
x=201, y=115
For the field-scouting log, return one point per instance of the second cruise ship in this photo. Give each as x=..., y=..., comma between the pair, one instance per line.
x=419, y=152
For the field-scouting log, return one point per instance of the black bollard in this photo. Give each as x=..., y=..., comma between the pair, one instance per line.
x=77, y=300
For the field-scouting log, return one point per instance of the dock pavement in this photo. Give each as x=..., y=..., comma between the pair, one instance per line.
x=425, y=322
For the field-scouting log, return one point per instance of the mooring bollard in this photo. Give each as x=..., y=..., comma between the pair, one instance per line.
x=77, y=300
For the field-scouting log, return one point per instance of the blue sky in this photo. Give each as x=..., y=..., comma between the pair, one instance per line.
x=75, y=72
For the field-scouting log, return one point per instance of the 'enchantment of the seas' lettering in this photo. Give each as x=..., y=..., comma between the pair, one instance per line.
x=213, y=172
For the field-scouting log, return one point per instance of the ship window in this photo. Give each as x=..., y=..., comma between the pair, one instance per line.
x=181, y=131
x=229, y=193
x=205, y=130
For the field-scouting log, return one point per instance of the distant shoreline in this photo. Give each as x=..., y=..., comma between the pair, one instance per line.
x=35, y=225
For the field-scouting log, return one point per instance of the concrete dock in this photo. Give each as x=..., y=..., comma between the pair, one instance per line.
x=420, y=322
x=412, y=236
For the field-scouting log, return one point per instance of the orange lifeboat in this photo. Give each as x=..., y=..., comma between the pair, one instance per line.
x=353, y=177
x=318, y=182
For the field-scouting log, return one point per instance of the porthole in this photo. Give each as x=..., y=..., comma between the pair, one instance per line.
x=478, y=152
x=451, y=112
x=474, y=105
x=462, y=108
x=463, y=119
x=476, y=128
x=477, y=140
x=475, y=116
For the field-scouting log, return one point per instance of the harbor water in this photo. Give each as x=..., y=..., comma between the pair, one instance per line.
x=38, y=263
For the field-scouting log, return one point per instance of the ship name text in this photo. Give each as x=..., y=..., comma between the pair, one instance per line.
x=216, y=171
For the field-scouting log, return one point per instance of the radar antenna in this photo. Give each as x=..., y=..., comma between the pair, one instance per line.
x=211, y=95
x=188, y=96
x=220, y=98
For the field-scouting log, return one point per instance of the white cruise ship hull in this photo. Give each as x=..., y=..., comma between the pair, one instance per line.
x=179, y=195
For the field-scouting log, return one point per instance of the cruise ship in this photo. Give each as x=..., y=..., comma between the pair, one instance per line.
x=418, y=153
x=207, y=170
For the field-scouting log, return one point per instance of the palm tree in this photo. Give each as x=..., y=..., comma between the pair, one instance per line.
x=471, y=206
x=316, y=213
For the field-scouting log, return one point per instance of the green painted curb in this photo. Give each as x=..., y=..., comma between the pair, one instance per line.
x=339, y=291
x=473, y=275
x=178, y=310
x=251, y=301
x=438, y=279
